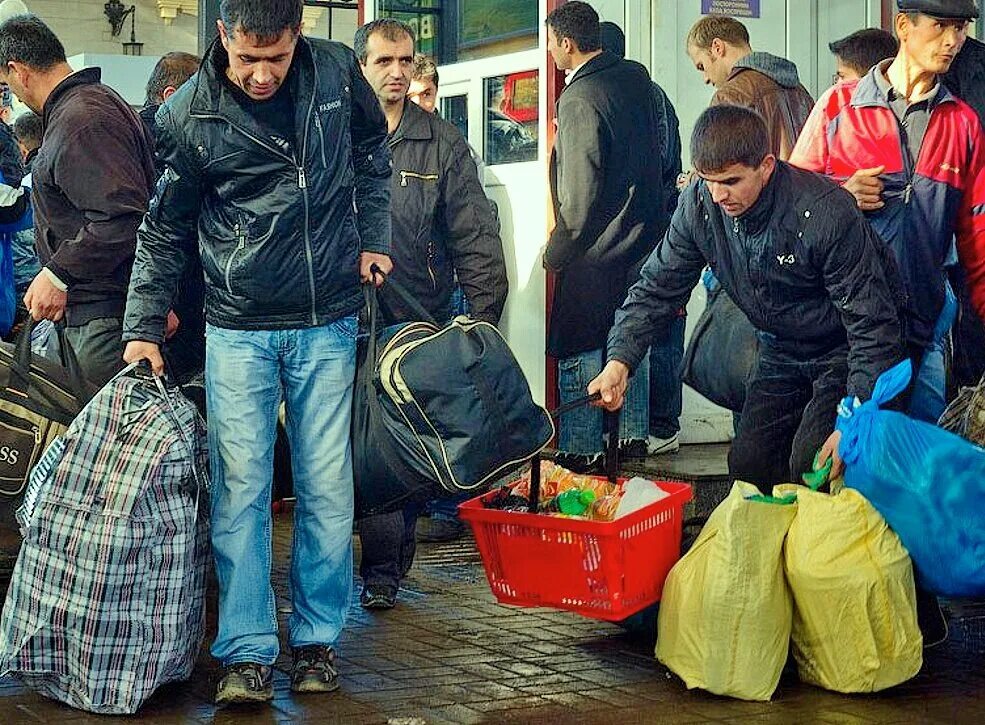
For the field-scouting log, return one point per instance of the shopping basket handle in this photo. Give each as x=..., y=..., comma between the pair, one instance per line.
x=575, y=404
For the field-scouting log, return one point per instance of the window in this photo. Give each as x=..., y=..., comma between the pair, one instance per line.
x=512, y=113
x=455, y=110
x=457, y=30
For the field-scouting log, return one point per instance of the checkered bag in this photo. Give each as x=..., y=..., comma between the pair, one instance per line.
x=107, y=597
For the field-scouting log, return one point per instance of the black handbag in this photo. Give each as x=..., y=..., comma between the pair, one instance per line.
x=720, y=358
x=438, y=411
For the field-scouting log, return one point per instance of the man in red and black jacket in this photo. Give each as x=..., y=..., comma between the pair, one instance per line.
x=913, y=156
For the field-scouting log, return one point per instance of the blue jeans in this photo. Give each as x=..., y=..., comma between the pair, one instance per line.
x=247, y=374
x=665, y=381
x=580, y=431
x=929, y=397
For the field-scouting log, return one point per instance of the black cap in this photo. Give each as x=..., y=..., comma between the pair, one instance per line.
x=949, y=9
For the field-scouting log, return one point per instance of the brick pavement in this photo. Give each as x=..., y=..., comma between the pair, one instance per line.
x=449, y=654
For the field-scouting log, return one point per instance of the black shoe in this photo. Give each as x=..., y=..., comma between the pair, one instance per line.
x=441, y=530
x=244, y=682
x=633, y=448
x=314, y=669
x=376, y=596
x=583, y=465
x=930, y=619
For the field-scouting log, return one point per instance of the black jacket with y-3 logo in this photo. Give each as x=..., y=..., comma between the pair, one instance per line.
x=802, y=263
x=279, y=232
x=442, y=222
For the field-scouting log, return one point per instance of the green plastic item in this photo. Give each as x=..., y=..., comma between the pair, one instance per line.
x=819, y=475
x=575, y=502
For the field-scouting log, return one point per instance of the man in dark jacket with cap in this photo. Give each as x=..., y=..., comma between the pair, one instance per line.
x=796, y=256
x=609, y=207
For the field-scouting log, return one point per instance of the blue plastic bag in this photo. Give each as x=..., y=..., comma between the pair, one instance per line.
x=927, y=483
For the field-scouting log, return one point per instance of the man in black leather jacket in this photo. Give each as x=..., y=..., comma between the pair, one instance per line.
x=442, y=225
x=277, y=168
x=796, y=255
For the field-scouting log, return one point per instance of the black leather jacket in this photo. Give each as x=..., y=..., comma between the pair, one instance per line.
x=802, y=263
x=279, y=236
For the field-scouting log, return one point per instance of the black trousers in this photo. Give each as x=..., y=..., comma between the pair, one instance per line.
x=790, y=410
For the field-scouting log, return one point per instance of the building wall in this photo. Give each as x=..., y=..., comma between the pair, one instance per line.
x=83, y=27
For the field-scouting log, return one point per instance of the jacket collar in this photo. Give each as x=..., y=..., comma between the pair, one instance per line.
x=869, y=92
x=415, y=124
x=213, y=97
x=86, y=76
x=599, y=63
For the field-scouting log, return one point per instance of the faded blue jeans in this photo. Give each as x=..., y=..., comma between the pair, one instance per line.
x=248, y=372
x=929, y=398
x=665, y=381
x=580, y=431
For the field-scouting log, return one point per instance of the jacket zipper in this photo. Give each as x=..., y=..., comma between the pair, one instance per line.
x=321, y=139
x=434, y=280
x=303, y=185
x=240, y=245
x=404, y=175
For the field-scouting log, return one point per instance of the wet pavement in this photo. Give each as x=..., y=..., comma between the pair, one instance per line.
x=448, y=653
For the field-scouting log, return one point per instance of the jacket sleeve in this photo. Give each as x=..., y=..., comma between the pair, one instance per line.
x=664, y=287
x=102, y=173
x=13, y=204
x=811, y=150
x=857, y=270
x=371, y=163
x=476, y=249
x=165, y=239
x=971, y=225
x=581, y=150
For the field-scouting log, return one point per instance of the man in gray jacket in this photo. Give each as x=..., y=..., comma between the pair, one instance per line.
x=443, y=226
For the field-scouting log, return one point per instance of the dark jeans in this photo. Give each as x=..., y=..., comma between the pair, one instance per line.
x=790, y=410
x=388, y=545
x=665, y=381
x=98, y=345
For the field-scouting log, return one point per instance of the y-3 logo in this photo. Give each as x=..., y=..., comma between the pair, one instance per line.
x=785, y=259
x=9, y=455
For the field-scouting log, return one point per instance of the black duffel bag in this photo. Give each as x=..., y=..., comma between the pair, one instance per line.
x=38, y=401
x=721, y=355
x=438, y=411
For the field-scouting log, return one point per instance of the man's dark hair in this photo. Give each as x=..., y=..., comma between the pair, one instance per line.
x=26, y=39
x=28, y=130
x=579, y=23
x=172, y=70
x=612, y=38
x=391, y=29
x=727, y=135
x=864, y=48
x=263, y=19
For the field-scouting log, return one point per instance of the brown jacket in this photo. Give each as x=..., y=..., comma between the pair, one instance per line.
x=770, y=86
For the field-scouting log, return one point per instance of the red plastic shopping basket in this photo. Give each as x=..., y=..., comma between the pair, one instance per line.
x=602, y=569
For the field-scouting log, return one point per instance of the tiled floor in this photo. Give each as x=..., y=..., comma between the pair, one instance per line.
x=449, y=654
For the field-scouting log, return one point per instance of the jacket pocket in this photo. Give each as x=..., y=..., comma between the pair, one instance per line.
x=240, y=231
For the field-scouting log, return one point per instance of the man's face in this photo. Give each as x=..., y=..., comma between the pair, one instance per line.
x=388, y=67
x=13, y=77
x=559, y=50
x=737, y=187
x=257, y=65
x=710, y=64
x=845, y=73
x=424, y=93
x=931, y=43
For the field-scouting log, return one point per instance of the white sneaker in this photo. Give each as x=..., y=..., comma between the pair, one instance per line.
x=660, y=446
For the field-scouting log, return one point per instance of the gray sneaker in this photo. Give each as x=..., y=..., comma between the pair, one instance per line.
x=314, y=669
x=244, y=682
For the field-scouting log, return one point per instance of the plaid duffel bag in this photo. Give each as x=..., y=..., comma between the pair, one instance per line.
x=106, y=602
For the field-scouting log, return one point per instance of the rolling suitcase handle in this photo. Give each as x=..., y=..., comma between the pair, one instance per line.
x=610, y=423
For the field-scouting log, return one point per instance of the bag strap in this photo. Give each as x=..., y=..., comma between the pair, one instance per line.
x=416, y=307
x=20, y=369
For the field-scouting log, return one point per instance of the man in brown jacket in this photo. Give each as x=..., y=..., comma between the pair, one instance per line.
x=719, y=47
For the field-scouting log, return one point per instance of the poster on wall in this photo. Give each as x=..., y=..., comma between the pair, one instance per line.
x=735, y=8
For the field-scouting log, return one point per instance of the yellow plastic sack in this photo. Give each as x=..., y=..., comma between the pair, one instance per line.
x=724, y=622
x=855, y=618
